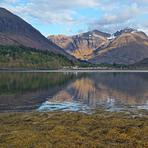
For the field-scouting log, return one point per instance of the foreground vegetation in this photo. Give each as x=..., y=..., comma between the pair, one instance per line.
x=74, y=129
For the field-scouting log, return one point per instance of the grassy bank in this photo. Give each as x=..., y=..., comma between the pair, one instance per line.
x=65, y=129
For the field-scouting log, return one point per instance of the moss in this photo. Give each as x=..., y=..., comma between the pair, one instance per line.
x=73, y=129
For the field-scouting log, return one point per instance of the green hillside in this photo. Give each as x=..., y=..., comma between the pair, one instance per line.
x=21, y=57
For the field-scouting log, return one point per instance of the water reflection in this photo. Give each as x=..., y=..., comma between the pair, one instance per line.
x=73, y=91
x=27, y=91
x=105, y=89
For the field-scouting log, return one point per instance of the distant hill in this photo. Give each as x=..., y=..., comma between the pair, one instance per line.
x=126, y=46
x=15, y=31
x=141, y=64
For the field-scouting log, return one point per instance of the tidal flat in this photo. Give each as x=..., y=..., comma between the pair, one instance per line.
x=66, y=129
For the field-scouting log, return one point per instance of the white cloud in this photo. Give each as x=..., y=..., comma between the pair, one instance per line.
x=9, y=1
x=123, y=17
x=123, y=14
x=138, y=1
x=118, y=13
x=50, y=11
x=145, y=26
x=109, y=5
x=144, y=30
x=114, y=27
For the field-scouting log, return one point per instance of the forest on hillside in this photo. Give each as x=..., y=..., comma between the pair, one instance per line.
x=21, y=57
x=17, y=57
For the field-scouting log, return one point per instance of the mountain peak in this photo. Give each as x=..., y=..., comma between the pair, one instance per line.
x=5, y=14
x=125, y=30
x=15, y=31
x=100, y=33
x=129, y=30
x=3, y=10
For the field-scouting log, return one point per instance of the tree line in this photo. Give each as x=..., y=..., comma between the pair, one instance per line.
x=26, y=57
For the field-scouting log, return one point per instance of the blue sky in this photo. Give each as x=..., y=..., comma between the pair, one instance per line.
x=53, y=17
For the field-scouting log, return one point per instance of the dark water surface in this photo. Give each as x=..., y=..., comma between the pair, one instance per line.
x=73, y=90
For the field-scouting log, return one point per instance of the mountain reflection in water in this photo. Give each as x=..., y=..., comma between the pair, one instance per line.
x=105, y=89
x=72, y=91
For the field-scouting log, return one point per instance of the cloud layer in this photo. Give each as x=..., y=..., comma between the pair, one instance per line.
x=49, y=11
x=109, y=14
x=122, y=17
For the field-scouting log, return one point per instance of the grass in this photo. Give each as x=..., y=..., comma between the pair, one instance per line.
x=73, y=129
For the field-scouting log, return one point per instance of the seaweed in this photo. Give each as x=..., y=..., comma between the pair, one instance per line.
x=73, y=129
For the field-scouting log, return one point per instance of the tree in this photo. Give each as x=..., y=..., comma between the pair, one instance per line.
x=114, y=64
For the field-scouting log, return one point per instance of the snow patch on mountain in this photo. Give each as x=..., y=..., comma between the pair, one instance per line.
x=111, y=37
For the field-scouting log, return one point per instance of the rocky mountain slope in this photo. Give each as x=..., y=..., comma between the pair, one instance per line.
x=126, y=46
x=82, y=44
x=125, y=30
x=15, y=31
x=141, y=64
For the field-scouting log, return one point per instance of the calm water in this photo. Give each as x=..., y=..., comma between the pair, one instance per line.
x=73, y=90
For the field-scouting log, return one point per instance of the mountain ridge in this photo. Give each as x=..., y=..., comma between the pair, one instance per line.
x=126, y=46
x=15, y=31
x=141, y=64
x=125, y=30
x=80, y=44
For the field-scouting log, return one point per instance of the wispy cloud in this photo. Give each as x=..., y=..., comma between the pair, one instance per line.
x=9, y=1
x=109, y=14
x=121, y=17
x=49, y=11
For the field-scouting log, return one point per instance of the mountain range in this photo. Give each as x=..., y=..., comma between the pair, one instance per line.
x=16, y=31
x=82, y=44
x=126, y=46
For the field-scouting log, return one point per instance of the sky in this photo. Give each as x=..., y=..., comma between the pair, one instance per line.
x=70, y=17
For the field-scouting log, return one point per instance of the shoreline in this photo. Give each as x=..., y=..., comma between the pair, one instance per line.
x=74, y=70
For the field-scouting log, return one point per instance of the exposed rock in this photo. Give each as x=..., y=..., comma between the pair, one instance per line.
x=126, y=30
x=123, y=47
x=127, y=48
x=82, y=44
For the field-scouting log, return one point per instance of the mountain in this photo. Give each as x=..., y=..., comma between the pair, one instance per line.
x=126, y=30
x=141, y=64
x=126, y=46
x=15, y=31
x=82, y=44
x=24, y=58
